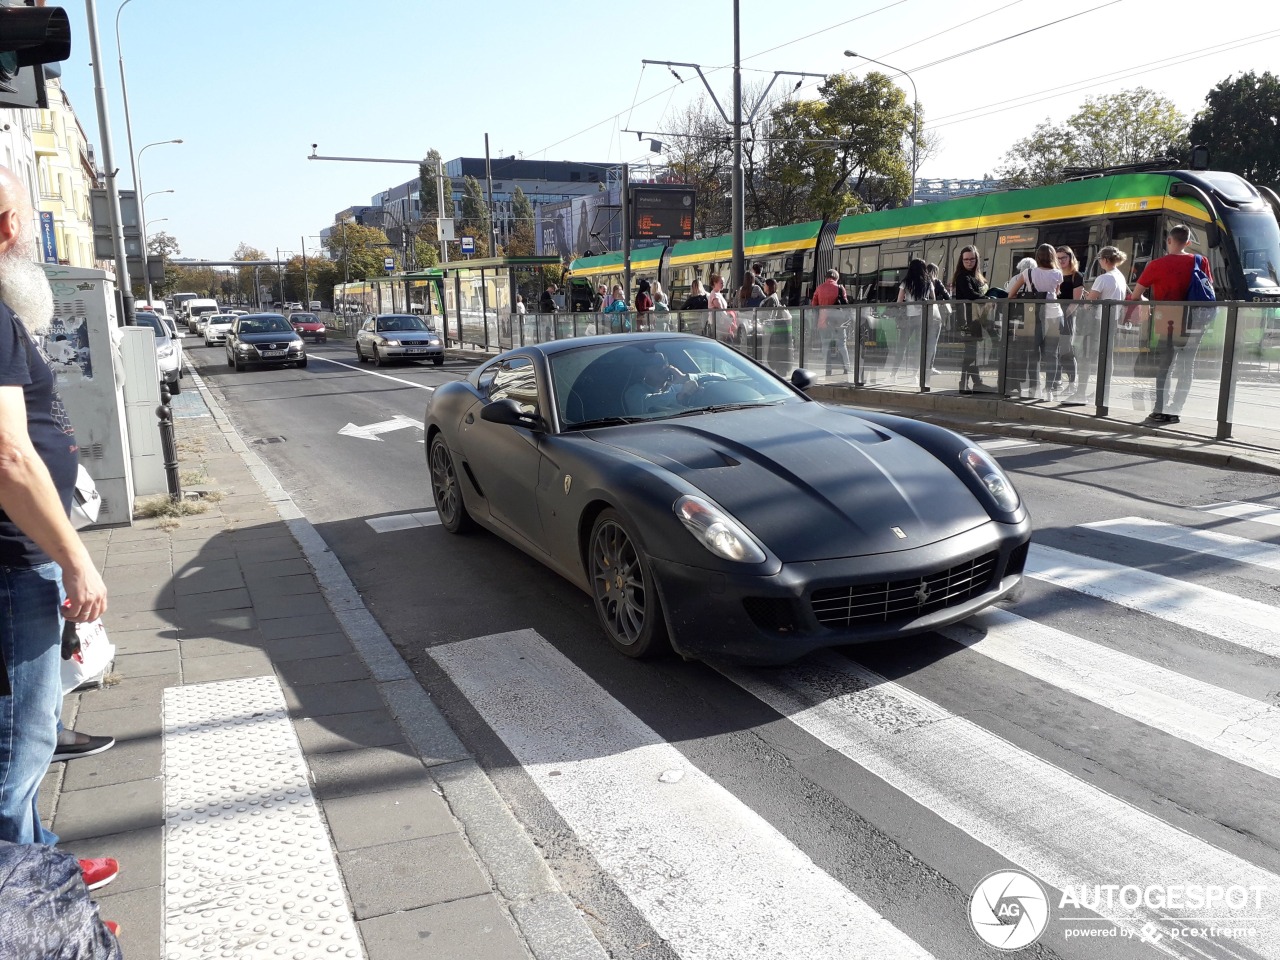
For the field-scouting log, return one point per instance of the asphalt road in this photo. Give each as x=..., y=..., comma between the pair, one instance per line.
x=1112, y=728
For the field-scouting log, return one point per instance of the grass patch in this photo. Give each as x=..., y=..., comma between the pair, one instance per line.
x=193, y=478
x=168, y=524
x=191, y=445
x=162, y=507
x=213, y=496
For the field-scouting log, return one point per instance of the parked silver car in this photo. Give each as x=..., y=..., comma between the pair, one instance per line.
x=398, y=336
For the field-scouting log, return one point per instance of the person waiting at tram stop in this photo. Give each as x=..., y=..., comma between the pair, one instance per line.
x=831, y=327
x=644, y=304
x=618, y=311
x=970, y=286
x=777, y=320
x=1169, y=278
x=1040, y=282
x=1111, y=285
x=917, y=287
x=1063, y=360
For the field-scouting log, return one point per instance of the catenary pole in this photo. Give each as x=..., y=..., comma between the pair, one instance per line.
x=738, y=200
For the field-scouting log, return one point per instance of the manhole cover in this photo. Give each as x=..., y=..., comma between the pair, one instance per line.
x=270, y=440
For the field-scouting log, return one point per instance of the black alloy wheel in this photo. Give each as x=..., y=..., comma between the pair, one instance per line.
x=622, y=586
x=445, y=490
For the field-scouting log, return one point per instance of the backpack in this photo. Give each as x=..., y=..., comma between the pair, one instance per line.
x=1200, y=291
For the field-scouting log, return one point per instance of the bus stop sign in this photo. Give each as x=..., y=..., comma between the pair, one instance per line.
x=389, y=264
x=468, y=245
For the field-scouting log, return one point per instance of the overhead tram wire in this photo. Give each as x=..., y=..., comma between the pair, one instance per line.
x=975, y=113
x=955, y=26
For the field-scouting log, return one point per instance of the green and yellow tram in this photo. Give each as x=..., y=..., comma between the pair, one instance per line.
x=1233, y=223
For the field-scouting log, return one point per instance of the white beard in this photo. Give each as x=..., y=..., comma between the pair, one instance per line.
x=25, y=289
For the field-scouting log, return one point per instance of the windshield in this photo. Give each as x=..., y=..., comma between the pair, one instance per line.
x=152, y=321
x=1257, y=239
x=406, y=322
x=655, y=379
x=304, y=318
x=264, y=325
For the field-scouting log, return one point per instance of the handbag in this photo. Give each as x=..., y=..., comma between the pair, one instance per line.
x=1028, y=291
x=88, y=664
x=86, y=502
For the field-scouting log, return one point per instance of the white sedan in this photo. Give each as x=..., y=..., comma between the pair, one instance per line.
x=214, y=326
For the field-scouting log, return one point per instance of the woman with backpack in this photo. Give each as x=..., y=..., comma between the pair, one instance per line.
x=1040, y=282
x=618, y=311
x=970, y=286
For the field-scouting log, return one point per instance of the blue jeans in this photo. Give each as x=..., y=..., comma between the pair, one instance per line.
x=31, y=635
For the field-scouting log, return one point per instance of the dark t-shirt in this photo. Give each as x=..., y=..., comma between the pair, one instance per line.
x=22, y=365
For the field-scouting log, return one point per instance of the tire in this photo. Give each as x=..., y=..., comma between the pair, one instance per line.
x=377, y=358
x=445, y=489
x=438, y=361
x=359, y=353
x=623, y=589
x=230, y=362
x=175, y=388
x=239, y=366
x=302, y=364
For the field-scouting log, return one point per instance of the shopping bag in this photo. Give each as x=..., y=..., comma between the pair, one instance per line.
x=87, y=665
x=85, y=500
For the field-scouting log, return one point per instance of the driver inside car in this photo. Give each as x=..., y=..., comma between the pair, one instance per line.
x=656, y=390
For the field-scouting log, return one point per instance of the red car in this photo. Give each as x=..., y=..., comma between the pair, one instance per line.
x=308, y=326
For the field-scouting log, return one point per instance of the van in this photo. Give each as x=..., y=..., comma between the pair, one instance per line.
x=198, y=308
x=180, y=301
x=314, y=305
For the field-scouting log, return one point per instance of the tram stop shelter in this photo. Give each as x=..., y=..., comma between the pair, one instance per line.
x=480, y=295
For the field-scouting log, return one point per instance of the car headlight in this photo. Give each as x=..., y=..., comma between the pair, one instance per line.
x=242, y=347
x=717, y=531
x=296, y=345
x=164, y=353
x=992, y=477
x=390, y=343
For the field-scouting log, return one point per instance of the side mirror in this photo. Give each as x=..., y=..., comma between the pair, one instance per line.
x=508, y=412
x=802, y=380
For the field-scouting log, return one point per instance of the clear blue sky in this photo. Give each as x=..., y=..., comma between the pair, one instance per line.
x=249, y=86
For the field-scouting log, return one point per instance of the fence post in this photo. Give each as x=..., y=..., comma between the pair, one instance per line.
x=1110, y=315
x=1227, y=380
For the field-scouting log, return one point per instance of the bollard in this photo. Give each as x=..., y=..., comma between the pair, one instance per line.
x=168, y=444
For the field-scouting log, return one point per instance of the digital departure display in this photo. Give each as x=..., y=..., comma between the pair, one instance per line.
x=662, y=213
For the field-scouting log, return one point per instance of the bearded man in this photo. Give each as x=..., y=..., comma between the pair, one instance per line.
x=46, y=573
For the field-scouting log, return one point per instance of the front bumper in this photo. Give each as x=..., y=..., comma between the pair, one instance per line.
x=755, y=619
x=318, y=336
x=215, y=336
x=255, y=358
x=411, y=351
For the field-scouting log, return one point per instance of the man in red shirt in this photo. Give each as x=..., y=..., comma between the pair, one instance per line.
x=832, y=331
x=1169, y=278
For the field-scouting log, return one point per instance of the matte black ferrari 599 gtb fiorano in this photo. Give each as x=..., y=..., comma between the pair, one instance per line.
x=700, y=499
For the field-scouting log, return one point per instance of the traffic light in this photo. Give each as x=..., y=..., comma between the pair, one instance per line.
x=30, y=37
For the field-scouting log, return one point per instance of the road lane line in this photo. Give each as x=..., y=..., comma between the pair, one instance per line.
x=371, y=373
x=1237, y=620
x=710, y=875
x=1068, y=833
x=1255, y=512
x=1207, y=542
x=1220, y=721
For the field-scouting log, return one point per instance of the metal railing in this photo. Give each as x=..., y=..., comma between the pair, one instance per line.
x=1217, y=363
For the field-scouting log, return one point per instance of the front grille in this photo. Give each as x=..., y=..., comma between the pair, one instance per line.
x=902, y=600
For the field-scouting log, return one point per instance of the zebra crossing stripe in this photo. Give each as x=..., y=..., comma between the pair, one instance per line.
x=1256, y=512
x=708, y=873
x=1237, y=620
x=1220, y=721
x=1207, y=542
x=1068, y=833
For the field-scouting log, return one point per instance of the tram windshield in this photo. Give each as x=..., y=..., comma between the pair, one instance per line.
x=1257, y=239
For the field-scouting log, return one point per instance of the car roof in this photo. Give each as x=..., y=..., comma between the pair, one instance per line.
x=260, y=316
x=383, y=316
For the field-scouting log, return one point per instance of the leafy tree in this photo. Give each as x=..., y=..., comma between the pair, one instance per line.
x=200, y=280
x=358, y=250
x=1130, y=126
x=849, y=149
x=245, y=275
x=698, y=153
x=425, y=253
x=1240, y=124
x=164, y=245
x=520, y=242
x=475, y=220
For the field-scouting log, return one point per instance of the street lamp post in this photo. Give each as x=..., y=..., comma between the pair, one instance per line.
x=142, y=206
x=156, y=220
x=915, y=116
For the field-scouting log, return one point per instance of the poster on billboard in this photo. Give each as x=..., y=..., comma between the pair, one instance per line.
x=570, y=228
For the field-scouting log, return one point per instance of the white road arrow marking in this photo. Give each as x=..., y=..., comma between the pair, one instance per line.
x=371, y=431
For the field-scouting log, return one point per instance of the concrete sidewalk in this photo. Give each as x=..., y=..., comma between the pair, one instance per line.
x=281, y=785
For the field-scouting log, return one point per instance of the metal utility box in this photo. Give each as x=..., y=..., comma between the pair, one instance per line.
x=82, y=349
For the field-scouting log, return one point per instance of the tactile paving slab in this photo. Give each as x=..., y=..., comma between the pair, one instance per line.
x=249, y=870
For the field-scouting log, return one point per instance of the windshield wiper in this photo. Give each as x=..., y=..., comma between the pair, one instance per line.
x=722, y=407
x=605, y=422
